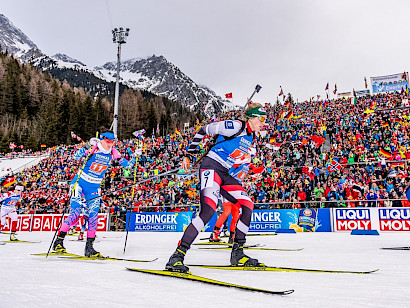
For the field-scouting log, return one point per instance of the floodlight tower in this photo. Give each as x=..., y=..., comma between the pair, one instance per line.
x=118, y=36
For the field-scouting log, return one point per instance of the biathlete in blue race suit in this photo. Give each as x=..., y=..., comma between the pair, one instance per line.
x=87, y=190
x=216, y=180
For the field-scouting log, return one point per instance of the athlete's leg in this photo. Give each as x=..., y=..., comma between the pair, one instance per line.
x=235, y=191
x=221, y=219
x=210, y=186
x=75, y=208
x=235, y=217
x=13, y=227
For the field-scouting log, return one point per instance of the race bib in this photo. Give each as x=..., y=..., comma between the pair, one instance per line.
x=207, y=178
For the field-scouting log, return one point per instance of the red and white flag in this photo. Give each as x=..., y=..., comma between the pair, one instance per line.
x=12, y=145
x=228, y=95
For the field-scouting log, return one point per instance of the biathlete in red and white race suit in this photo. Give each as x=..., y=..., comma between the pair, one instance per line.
x=239, y=171
x=8, y=208
x=87, y=189
x=234, y=140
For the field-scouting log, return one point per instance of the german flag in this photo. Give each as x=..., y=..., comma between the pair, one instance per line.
x=43, y=145
x=289, y=115
x=9, y=181
x=385, y=153
x=385, y=124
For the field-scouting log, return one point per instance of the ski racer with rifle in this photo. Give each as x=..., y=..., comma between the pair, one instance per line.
x=239, y=171
x=100, y=153
x=233, y=143
x=8, y=208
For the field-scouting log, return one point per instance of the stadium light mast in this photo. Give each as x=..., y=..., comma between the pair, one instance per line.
x=119, y=36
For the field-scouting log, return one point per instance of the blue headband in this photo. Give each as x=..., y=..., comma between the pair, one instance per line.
x=110, y=136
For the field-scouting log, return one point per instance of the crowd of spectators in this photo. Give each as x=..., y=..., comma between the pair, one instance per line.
x=332, y=153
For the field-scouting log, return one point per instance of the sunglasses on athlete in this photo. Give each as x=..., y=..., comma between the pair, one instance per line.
x=262, y=118
x=109, y=140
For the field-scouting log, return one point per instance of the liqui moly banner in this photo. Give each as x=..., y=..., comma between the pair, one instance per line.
x=394, y=219
x=351, y=219
x=381, y=219
x=389, y=83
x=49, y=222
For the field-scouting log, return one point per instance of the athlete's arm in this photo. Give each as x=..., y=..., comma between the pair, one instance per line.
x=4, y=196
x=128, y=164
x=224, y=128
x=80, y=153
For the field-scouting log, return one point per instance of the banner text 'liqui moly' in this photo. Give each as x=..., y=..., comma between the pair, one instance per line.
x=352, y=219
x=394, y=219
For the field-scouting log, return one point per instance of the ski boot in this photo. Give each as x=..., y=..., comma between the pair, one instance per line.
x=13, y=236
x=90, y=252
x=214, y=237
x=231, y=237
x=58, y=243
x=176, y=261
x=238, y=258
x=81, y=236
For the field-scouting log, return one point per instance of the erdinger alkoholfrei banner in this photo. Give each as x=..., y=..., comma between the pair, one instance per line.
x=49, y=222
x=164, y=222
x=270, y=220
x=389, y=83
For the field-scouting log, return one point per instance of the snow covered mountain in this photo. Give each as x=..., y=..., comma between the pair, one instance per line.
x=154, y=74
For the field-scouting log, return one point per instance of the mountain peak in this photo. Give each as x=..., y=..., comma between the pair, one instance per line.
x=64, y=58
x=13, y=39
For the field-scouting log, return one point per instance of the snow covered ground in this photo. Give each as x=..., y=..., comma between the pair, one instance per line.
x=18, y=164
x=32, y=281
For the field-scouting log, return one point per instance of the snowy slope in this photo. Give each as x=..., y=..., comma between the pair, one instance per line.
x=29, y=281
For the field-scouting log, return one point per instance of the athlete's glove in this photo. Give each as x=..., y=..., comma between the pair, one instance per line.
x=91, y=143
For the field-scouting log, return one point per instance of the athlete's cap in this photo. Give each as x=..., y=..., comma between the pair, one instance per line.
x=255, y=112
x=108, y=135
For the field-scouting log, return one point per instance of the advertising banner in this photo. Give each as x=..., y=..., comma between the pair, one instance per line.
x=271, y=220
x=389, y=83
x=394, y=219
x=348, y=219
x=164, y=222
x=381, y=219
x=49, y=222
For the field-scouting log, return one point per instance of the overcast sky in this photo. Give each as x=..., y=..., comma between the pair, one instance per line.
x=232, y=45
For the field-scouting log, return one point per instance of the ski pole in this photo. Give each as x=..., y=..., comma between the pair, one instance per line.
x=157, y=192
x=129, y=210
x=142, y=181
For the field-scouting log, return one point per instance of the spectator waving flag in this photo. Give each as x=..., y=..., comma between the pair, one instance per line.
x=385, y=153
x=9, y=181
x=334, y=166
x=177, y=132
